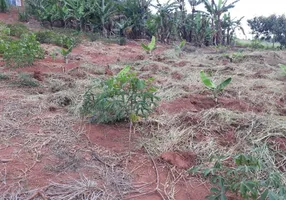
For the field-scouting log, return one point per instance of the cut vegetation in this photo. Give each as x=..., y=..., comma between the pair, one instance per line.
x=85, y=114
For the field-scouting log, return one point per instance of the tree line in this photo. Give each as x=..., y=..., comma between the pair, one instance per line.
x=271, y=28
x=134, y=19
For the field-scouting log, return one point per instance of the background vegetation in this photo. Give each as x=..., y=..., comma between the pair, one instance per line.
x=134, y=19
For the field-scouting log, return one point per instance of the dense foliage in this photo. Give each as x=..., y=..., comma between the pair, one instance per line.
x=22, y=52
x=134, y=19
x=19, y=52
x=271, y=28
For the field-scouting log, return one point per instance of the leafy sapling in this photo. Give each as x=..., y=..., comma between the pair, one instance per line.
x=65, y=53
x=53, y=55
x=178, y=48
x=121, y=97
x=283, y=68
x=150, y=47
x=216, y=89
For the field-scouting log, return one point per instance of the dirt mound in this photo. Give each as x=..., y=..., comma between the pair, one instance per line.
x=196, y=103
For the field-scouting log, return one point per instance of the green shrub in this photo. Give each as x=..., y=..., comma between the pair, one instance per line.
x=256, y=44
x=23, y=16
x=22, y=52
x=244, y=175
x=18, y=30
x=120, y=97
x=179, y=47
x=4, y=30
x=51, y=37
x=45, y=37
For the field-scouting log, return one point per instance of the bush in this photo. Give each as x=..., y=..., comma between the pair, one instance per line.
x=23, y=16
x=45, y=37
x=22, y=52
x=51, y=37
x=256, y=44
x=18, y=30
x=120, y=97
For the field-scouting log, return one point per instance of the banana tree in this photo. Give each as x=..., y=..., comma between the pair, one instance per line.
x=193, y=4
x=182, y=21
x=165, y=19
x=102, y=16
x=201, y=29
x=216, y=10
x=229, y=26
x=137, y=12
x=80, y=11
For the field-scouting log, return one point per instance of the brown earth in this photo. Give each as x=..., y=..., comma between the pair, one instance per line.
x=43, y=143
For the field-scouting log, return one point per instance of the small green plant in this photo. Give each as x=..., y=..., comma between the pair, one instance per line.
x=216, y=89
x=53, y=54
x=241, y=174
x=257, y=44
x=23, y=16
x=120, y=97
x=181, y=45
x=151, y=46
x=283, y=68
x=4, y=30
x=18, y=30
x=237, y=57
x=22, y=52
x=178, y=48
x=234, y=57
x=65, y=53
x=51, y=37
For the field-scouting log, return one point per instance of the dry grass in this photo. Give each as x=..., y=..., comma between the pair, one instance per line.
x=26, y=116
x=252, y=131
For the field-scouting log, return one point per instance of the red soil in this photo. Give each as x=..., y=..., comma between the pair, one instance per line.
x=197, y=102
x=161, y=173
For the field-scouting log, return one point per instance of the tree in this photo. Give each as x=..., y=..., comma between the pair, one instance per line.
x=165, y=20
x=263, y=27
x=193, y=4
x=269, y=28
x=229, y=26
x=136, y=12
x=216, y=11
